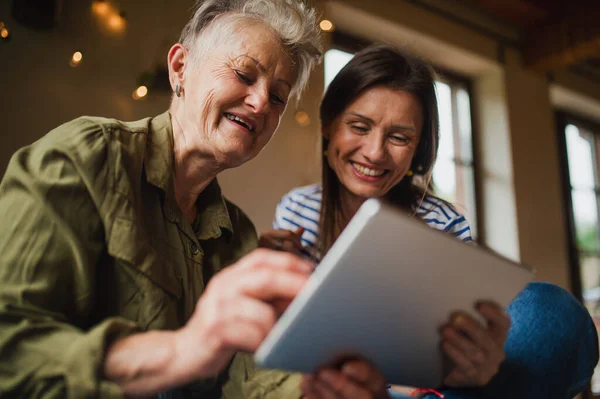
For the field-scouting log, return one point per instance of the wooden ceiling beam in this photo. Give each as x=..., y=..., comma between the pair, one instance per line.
x=522, y=13
x=572, y=39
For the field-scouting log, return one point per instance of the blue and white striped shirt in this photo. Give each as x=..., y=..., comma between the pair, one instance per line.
x=301, y=207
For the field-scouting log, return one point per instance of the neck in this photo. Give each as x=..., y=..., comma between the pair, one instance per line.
x=350, y=204
x=193, y=168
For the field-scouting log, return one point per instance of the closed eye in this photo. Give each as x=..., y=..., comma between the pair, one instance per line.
x=359, y=128
x=399, y=139
x=243, y=77
x=275, y=99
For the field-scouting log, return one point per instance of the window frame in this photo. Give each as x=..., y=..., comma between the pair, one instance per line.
x=343, y=41
x=562, y=119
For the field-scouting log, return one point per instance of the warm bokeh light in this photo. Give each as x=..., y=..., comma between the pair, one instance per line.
x=326, y=25
x=116, y=23
x=4, y=33
x=76, y=59
x=1, y=25
x=302, y=118
x=140, y=93
x=101, y=8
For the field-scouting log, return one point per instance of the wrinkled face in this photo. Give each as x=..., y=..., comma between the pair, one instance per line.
x=236, y=94
x=372, y=143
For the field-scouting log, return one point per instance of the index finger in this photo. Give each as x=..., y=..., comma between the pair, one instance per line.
x=270, y=275
x=275, y=259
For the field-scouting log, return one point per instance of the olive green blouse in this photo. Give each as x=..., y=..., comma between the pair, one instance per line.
x=93, y=247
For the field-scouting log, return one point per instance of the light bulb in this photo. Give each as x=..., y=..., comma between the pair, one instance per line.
x=302, y=118
x=326, y=25
x=140, y=93
x=100, y=8
x=76, y=59
x=116, y=22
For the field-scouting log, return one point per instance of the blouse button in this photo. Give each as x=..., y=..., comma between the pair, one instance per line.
x=194, y=248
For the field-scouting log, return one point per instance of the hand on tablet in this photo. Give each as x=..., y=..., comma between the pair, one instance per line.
x=357, y=379
x=282, y=240
x=238, y=308
x=476, y=351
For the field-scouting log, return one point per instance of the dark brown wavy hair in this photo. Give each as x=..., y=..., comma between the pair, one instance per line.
x=379, y=65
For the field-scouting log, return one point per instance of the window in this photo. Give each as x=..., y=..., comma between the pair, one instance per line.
x=581, y=145
x=453, y=173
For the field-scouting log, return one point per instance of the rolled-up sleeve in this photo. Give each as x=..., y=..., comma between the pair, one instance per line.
x=51, y=243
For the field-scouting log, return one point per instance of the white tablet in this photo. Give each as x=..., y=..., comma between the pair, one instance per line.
x=382, y=292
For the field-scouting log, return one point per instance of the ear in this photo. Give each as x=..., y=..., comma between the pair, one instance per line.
x=177, y=60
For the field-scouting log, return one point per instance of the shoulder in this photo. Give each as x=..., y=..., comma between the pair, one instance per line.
x=91, y=148
x=300, y=207
x=304, y=197
x=90, y=143
x=78, y=132
x=441, y=215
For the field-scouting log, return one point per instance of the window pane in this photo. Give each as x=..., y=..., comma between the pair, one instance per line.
x=585, y=210
x=446, y=146
x=444, y=171
x=590, y=278
x=581, y=158
x=465, y=195
x=444, y=179
x=456, y=184
x=465, y=134
x=334, y=61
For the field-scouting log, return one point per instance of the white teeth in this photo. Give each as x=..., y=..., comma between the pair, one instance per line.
x=235, y=118
x=367, y=171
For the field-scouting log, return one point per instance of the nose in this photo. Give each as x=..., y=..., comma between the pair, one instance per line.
x=373, y=148
x=258, y=99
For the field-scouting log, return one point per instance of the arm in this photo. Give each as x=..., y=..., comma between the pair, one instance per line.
x=47, y=287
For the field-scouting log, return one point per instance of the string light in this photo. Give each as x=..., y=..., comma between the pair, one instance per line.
x=302, y=118
x=76, y=59
x=101, y=8
x=109, y=16
x=326, y=25
x=116, y=22
x=4, y=33
x=140, y=93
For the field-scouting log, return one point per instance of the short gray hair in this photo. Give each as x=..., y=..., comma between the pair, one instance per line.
x=292, y=21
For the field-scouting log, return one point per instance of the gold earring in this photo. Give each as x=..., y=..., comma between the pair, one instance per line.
x=325, y=153
x=409, y=173
x=178, y=90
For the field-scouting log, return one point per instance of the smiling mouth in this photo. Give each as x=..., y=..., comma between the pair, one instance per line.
x=363, y=170
x=239, y=121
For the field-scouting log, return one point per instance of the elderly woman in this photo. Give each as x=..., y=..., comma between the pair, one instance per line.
x=380, y=135
x=112, y=231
